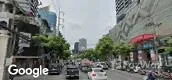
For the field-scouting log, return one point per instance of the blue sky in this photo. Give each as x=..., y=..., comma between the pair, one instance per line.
x=88, y=19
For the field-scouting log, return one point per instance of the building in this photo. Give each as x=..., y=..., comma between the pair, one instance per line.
x=121, y=8
x=82, y=44
x=49, y=16
x=76, y=48
x=20, y=19
x=143, y=17
x=137, y=20
x=28, y=7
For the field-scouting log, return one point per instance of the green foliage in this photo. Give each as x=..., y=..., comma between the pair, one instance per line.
x=104, y=47
x=66, y=55
x=169, y=42
x=55, y=45
x=168, y=49
x=122, y=49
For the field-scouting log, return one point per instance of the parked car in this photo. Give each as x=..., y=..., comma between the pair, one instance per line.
x=54, y=69
x=72, y=71
x=97, y=74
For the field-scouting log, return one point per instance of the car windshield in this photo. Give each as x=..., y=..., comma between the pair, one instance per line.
x=102, y=63
x=98, y=70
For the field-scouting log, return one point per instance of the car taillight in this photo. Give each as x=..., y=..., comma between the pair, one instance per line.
x=93, y=74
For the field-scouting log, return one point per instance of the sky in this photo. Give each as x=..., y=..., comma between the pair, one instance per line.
x=90, y=19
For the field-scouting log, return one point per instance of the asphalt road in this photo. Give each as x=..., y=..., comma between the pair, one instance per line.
x=112, y=75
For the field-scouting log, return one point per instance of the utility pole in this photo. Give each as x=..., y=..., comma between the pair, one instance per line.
x=60, y=23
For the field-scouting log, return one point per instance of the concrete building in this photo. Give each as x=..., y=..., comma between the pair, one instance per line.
x=143, y=17
x=82, y=44
x=22, y=22
x=139, y=15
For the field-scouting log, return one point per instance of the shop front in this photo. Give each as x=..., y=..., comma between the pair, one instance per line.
x=144, y=48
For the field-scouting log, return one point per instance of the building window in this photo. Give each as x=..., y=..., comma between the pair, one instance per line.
x=9, y=8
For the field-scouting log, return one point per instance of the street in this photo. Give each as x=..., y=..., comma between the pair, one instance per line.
x=112, y=74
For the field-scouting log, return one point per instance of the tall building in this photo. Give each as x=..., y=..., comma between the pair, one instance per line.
x=50, y=17
x=140, y=18
x=82, y=44
x=121, y=8
x=76, y=47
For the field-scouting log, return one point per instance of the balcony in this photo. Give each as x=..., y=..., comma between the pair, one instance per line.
x=29, y=20
x=26, y=19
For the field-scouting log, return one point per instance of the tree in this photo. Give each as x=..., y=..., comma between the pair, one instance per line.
x=122, y=49
x=55, y=45
x=104, y=48
x=169, y=44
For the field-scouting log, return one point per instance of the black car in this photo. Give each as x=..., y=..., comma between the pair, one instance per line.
x=72, y=71
x=85, y=68
x=54, y=69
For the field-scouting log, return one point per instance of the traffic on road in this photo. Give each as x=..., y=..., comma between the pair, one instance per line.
x=84, y=71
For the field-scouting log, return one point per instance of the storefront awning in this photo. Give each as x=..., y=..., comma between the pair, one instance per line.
x=141, y=38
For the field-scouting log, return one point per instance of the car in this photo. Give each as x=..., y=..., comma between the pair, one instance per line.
x=85, y=69
x=54, y=69
x=103, y=65
x=72, y=71
x=97, y=74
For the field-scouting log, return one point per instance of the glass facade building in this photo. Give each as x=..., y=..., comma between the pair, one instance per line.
x=51, y=17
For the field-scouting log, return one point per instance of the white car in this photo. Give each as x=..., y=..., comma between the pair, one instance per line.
x=103, y=65
x=97, y=74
